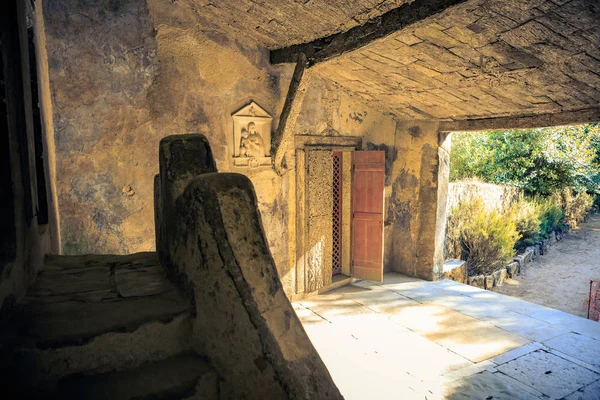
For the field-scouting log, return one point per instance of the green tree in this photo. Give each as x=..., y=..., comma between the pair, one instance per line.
x=538, y=160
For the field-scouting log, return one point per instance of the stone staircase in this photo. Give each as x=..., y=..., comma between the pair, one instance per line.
x=102, y=327
x=114, y=327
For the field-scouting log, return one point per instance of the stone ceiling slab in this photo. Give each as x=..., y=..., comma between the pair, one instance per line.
x=278, y=23
x=481, y=59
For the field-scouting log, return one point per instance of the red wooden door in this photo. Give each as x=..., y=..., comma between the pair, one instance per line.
x=367, y=214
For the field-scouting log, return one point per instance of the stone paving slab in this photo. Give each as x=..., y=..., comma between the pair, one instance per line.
x=487, y=385
x=406, y=338
x=525, y=326
x=551, y=375
x=574, y=323
x=581, y=347
x=464, y=335
x=589, y=392
x=516, y=353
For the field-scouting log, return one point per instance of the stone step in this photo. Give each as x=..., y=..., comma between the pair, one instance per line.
x=98, y=277
x=178, y=377
x=71, y=322
x=43, y=367
x=93, y=314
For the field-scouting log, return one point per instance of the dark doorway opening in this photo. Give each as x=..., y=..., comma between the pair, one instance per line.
x=42, y=197
x=8, y=237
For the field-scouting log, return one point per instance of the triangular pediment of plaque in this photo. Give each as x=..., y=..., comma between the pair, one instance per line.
x=252, y=110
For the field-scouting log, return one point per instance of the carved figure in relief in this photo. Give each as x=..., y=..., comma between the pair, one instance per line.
x=244, y=143
x=251, y=143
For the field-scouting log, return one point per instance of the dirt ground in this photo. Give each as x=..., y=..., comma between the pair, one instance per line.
x=560, y=279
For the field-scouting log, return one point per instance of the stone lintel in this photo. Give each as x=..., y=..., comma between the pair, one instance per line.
x=581, y=116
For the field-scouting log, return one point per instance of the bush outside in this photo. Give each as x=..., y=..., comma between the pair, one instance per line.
x=487, y=239
x=484, y=238
x=557, y=168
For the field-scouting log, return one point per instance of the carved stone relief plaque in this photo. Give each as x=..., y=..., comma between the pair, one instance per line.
x=251, y=136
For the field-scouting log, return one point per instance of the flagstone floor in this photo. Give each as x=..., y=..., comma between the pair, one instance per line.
x=411, y=339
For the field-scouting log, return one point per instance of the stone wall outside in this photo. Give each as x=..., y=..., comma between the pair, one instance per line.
x=495, y=197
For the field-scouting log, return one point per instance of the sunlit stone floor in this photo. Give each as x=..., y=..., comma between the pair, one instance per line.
x=411, y=339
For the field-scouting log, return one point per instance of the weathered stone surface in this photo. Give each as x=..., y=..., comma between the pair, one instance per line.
x=418, y=187
x=512, y=269
x=495, y=197
x=110, y=313
x=500, y=277
x=577, y=346
x=521, y=260
x=100, y=294
x=477, y=281
x=93, y=278
x=489, y=282
x=548, y=373
x=71, y=281
x=494, y=385
x=514, y=63
x=158, y=71
x=543, y=247
x=69, y=322
x=589, y=392
x=107, y=352
x=181, y=159
x=177, y=376
x=455, y=270
x=134, y=281
x=219, y=247
x=528, y=255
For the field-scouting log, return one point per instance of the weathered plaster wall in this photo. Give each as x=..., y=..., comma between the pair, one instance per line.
x=163, y=69
x=25, y=242
x=416, y=173
x=333, y=115
x=418, y=188
x=159, y=69
x=328, y=110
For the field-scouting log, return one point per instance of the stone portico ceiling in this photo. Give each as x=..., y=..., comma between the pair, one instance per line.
x=480, y=59
x=278, y=23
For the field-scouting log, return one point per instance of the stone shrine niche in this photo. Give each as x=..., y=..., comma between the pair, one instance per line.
x=251, y=136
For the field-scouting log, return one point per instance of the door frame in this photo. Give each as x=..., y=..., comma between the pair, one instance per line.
x=297, y=199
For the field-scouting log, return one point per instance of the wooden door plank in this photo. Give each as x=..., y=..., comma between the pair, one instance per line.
x=367, y=214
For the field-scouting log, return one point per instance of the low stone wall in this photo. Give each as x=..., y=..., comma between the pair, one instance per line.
x=512, y=269
x=495, y=197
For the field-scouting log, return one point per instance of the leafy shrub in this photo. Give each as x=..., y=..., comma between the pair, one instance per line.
x=484, y=238
x=539, y=161
x=551, y=216
x=576, y=206
x=527, y=215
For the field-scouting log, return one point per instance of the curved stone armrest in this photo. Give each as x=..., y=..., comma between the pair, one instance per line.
x=181, y=158
x=243, y=321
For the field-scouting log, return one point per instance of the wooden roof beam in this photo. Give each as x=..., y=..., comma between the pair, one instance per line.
x=337, y=44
